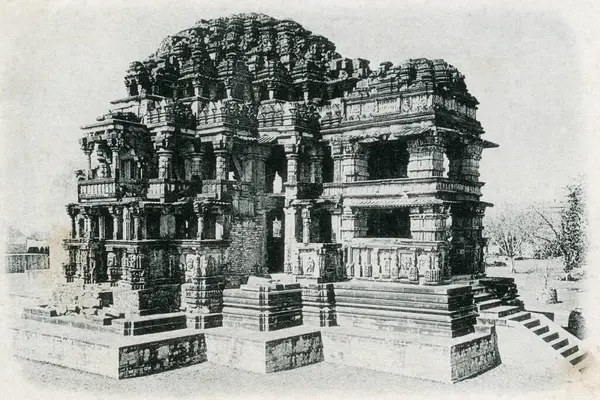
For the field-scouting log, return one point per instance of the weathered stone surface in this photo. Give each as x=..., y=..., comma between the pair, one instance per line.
x=431, y=358
x=105, y=353
x=264, y=352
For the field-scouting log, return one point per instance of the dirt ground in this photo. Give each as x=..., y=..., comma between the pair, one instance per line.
x=323, y=380
x=529, y=279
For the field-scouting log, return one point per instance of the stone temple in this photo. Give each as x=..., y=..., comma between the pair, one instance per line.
x=260, y=201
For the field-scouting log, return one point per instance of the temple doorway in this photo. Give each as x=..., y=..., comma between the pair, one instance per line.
x=275, y=241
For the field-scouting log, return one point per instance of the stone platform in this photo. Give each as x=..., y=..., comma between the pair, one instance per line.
x=264, y=352
x=433, y=358
x=428, y=310
x=107, y=353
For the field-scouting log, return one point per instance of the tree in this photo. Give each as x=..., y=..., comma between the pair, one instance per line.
x=569, y=239
x=510, y=228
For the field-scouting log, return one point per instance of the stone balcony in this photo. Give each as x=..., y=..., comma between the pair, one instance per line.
x=401, y=260
x=403, y=187
x=107, y=188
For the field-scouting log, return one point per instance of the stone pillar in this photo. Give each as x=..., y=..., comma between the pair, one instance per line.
x=88, y=154
x=115, y=212
x=316, y=170
x=354, y=163
x=426, y=157
x=165, y=168
x=336, y=155
x=306, y=223
x=290, y=237
x=221, y=164
x=470, y=163
x=136, y=224
x=219, y=227
x=354, y=224
x=428, y=223
x=126, y=224
x=291, y=154
x=199, y=211
x=73, y=215
x=87, y=226
x=196, y=164
x=101, y=226
x=115, y=162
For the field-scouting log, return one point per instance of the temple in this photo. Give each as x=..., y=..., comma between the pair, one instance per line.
x=253, y=179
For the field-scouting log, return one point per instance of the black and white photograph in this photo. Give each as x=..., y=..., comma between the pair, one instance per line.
x=299, y=199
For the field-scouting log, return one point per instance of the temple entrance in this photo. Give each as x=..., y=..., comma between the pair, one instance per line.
x=275, y=241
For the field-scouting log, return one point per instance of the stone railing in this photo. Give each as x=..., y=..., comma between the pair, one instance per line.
x=97, y=188
x=397, y=260
x=319, y=260
x=399, y=186
x=343, y=111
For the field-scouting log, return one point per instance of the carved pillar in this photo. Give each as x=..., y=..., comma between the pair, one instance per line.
x=165, y=168
x=101, y=226
x=73, y=214
x=126, y=223
x=428, y=223
x=426, y=157
x=115, y=212
x=135, y=212
x=316, y=170
x=354, y=224
x=221, y=164
x=291, y=154
x=115, y=161
x=199, y=211
x=354, y=163
x=306, y=222
x=290, y=238
x=88, y=153
x=196, y=169
x=336, y=155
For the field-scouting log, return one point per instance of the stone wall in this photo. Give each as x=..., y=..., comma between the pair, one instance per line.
x=26, y=262
x=247, y=249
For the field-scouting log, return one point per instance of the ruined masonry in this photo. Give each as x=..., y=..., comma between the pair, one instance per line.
x=259, y=201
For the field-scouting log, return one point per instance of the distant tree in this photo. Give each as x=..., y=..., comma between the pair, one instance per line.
x=510, y=228
x=569, y=238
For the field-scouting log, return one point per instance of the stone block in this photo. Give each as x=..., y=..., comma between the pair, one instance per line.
x=105, y=353
x=432, y=358
x=264, y=352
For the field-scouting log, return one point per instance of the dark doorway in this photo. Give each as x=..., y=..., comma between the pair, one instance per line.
x=275, y=241
x=276, y=165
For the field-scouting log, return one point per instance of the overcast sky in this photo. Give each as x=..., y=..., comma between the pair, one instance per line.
x=67, y=61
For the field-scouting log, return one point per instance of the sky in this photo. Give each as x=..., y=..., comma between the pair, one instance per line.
x=64, y=61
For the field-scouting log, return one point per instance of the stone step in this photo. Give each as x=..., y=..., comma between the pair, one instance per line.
x=570, y=350
x=500, y=311
x=577, y=357
x=487, y=304
x=559, y=343
x=520, y=316
x=550, y=337
x=542, y=330
x=532, y=324
x=483, y=296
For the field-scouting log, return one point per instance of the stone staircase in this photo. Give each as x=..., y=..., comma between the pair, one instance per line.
x=564, y=343
x=495, y=311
